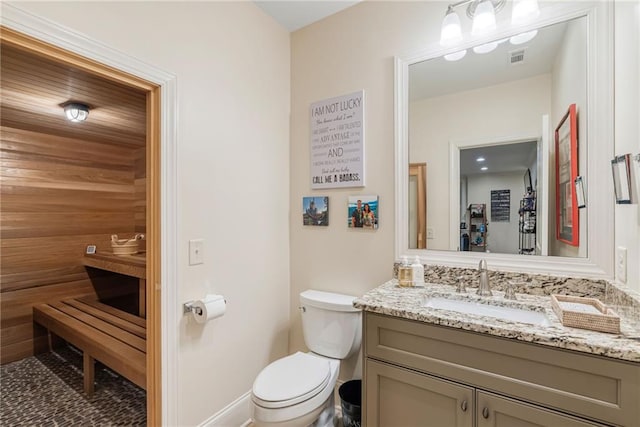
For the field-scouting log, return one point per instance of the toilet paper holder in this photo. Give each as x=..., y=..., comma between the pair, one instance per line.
x=188, y=307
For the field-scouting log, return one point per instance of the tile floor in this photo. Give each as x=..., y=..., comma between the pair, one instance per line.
x=46, y=390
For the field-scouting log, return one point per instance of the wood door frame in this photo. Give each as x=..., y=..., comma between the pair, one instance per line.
x=159, y=127
x=419, y=170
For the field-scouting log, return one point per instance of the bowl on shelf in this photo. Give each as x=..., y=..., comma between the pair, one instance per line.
x=126, y=246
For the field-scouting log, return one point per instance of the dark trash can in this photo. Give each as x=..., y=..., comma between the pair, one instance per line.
x=351, y=400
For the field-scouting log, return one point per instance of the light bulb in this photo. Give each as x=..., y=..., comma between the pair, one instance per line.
x=76, y=112
x=451, y=32
x=485, y=48
x=524, y=11
x=455, y=56
x=523, y=37
x=484, y=19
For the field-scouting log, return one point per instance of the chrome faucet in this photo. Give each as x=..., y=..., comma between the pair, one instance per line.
x=485, y=288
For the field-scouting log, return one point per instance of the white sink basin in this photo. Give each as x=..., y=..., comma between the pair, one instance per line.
x=478, y=309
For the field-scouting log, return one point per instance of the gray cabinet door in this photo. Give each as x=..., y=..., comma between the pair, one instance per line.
x=496, y=411
x=397, y=397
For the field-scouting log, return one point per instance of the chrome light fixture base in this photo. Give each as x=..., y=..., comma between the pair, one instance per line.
x=498, y=5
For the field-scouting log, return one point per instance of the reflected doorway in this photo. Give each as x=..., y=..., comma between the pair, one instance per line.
x=417, y=206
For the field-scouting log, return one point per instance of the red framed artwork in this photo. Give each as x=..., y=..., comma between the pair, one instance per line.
x=567, y=220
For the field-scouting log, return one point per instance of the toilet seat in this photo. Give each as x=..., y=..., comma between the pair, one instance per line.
x=291, y=380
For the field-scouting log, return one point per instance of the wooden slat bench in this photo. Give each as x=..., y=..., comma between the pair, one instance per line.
x=103, y=333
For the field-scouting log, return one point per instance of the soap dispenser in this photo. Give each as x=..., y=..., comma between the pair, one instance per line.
x=405, y=274
x=417, y=272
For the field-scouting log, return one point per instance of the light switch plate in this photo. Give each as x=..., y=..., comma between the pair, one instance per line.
x=196, y=251
x=429, y=233
x=621, y=264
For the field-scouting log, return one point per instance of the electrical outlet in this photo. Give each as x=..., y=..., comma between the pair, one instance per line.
x=196, y=251
x=621, y=264
x=429, y=233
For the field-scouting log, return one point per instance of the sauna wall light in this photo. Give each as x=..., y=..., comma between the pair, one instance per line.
x=76, y=112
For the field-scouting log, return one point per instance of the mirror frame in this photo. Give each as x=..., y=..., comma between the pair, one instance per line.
x=600, y=126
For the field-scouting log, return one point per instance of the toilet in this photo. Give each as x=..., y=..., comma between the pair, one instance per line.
x=297, y=390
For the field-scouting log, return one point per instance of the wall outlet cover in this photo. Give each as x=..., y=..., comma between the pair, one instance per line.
x=621, y=264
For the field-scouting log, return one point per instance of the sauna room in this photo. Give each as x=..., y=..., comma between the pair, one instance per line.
x=73, y=272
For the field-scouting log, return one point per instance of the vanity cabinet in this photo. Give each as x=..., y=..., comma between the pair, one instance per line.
x=420, y=374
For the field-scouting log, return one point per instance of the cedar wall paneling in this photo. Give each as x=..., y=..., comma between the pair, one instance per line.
x=140, y=179
x=58, y=195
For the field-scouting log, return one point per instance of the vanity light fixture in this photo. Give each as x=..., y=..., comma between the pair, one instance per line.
x=523, y=12
x=485, y=48
x=483, y=16
x=484, y=168
x=76, y=111
x=484, y=19
x=480, y=159
x=456, y=55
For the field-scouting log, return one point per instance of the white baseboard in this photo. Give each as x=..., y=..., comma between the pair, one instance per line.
x=235, y=414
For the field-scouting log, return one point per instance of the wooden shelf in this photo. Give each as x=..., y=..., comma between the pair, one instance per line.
x=129, y=265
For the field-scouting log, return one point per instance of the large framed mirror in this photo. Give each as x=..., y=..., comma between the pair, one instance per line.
x=484, y=128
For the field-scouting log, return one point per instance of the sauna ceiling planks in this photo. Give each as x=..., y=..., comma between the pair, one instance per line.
x=32, y=89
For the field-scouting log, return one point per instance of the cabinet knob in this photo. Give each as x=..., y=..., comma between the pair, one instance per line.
x=485, y=412
x=463, y=406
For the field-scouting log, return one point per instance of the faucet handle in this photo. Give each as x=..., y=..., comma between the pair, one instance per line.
x=460, y=286
x=510, y=291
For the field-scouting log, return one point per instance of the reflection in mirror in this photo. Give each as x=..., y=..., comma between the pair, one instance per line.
x=501, y=107
x=418, y=205
x=491, y=183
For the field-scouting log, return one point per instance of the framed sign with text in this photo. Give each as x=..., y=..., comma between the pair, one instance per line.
x=337, y=142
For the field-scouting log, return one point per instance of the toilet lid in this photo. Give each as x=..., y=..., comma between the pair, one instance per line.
x=291, y=380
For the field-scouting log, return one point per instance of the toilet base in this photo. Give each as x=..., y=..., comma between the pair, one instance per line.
x=324, y=416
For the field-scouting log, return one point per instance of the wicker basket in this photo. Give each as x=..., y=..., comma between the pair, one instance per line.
x=605, y=320
x=125, y=246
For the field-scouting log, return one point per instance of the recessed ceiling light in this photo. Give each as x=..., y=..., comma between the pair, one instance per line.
x=484, y=168
x=480, y=159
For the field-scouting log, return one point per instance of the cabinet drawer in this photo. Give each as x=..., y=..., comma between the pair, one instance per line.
x=594, y=387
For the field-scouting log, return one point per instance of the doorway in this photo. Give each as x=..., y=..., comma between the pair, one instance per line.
x=21, y=42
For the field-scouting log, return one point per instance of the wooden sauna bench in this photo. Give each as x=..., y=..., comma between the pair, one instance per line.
x=103, y=333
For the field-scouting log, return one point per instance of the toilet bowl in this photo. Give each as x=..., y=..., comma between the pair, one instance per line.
x=295, y=391
x=298, y=390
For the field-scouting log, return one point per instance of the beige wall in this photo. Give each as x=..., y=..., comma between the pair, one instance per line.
x=483, y=115
x=627, y=127
x=232, y=66
x=345, y=52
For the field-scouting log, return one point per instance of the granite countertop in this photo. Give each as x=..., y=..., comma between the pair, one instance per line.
x=408, y=303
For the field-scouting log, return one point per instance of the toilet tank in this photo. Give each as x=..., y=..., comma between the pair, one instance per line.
x=331, y=326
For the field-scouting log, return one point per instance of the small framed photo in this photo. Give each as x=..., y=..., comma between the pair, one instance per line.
x=362, y=212
x=315, y=211
x=620, y=168
x=91, y=249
